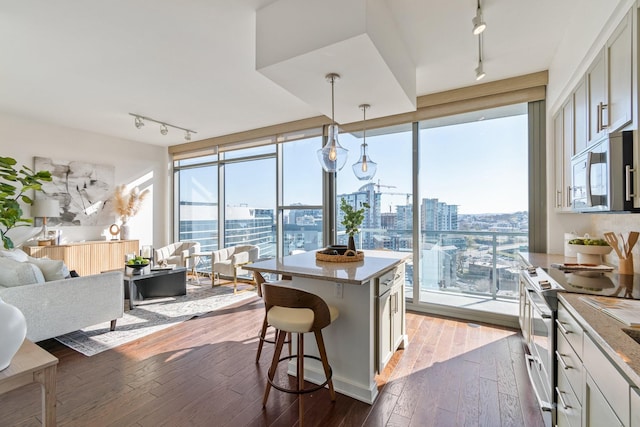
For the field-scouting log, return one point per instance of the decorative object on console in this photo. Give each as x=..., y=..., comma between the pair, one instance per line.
x=13, y=329
x=364, y=168
x=332, y=156
x=81, y=188
x=114, y=230
x=352, y=220
x=11, y=195
x=126, y=205
x=623, y=249
x=45, y=208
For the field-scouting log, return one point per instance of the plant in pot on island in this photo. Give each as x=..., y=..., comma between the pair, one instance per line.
x=590, y=250
x=352, y=220
x=14, y=184
x=127, y=204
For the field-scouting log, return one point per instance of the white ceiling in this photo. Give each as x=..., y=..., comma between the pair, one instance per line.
x=87, y=64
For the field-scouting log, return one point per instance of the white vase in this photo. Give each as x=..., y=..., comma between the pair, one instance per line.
x=125, y=232
x=13, y=329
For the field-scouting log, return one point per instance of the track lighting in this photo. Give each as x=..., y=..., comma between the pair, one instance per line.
x=139, y=122
x=164, y=127
x=332, y=156
x=478, y=23
x=480, y=74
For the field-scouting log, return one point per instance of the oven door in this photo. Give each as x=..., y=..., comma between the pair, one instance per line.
x=540, y=343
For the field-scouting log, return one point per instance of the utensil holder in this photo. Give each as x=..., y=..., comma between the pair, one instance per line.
x=626, y=265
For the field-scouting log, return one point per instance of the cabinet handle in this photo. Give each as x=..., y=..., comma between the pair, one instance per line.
x=558, y=198
x=599, y=117
x=627, y=183
x=562, y=402
x=568, y=196
x=561, y=360
x=603, y=107
x=562, y=328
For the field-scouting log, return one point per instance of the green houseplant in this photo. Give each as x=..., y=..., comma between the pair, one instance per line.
x=352, y=220
x=14, y=184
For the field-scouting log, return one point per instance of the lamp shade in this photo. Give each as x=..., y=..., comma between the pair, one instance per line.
x=47, y=208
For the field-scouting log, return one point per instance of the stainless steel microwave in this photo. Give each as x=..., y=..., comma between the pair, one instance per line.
x=601, y=175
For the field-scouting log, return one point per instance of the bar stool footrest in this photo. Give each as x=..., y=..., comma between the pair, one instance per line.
x=305, y=390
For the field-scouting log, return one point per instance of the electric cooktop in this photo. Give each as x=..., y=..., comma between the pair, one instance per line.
x=610, y=284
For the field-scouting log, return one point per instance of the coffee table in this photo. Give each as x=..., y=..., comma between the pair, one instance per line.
x=156, y=283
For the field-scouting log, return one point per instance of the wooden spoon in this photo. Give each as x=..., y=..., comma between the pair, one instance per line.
x=631, y=241
x=612, y=240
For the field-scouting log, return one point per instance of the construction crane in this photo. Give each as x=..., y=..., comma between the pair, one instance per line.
x=391, y=193
x=378, y=185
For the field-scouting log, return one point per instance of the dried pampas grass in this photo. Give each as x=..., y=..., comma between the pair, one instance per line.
x=127, y=204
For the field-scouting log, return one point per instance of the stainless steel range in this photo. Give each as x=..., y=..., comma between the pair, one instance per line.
x=538, y=313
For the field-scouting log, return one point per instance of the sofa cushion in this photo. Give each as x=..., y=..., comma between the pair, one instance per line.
x=51, y=269
x=13, y=273
x=14, y=254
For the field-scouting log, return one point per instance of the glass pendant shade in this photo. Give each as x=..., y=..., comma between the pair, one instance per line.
x=364, y=169
x=332, y=156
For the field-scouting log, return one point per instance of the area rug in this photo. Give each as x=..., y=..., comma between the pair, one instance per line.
x=151, y=316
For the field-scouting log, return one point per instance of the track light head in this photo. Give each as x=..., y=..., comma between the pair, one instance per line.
x=163, y=129
x=478, y=24
x=187, y=136
x=139, y=122
x=480, y=74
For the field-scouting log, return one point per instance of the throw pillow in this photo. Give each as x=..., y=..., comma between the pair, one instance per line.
x=13, y=273
x=14, y=254
x=51, y=269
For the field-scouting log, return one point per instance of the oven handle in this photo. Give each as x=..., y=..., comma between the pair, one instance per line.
x=543, y=313
x=562, y=328
x=545, y=406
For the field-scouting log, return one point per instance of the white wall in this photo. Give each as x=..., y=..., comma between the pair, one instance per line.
x=134, y=162
x=587, y=30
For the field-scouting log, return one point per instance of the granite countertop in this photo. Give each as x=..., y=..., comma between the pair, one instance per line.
x=605, y=331
x=355, y=273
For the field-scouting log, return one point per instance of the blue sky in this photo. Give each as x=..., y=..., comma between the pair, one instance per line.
x=480, y=166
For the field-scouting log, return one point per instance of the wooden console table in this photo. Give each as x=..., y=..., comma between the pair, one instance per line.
x=88, y=257
x=32, y=364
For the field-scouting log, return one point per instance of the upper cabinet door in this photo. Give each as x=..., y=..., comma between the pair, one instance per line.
x=580, y=117
x=620, y=68
x=596, y=78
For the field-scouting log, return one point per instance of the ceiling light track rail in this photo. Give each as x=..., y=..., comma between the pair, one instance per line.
x=140, y=119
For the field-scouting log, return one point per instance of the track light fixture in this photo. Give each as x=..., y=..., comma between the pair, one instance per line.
x=332, y=156
x=164, y=127
x=478, y=23
x=365, y=168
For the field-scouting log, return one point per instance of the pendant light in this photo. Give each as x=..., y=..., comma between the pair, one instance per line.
x=332, y=156
x=364, y=168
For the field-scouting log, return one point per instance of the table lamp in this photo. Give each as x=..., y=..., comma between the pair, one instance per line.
x=43, y=208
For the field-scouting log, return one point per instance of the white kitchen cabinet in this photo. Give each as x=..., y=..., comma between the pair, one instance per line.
x=568, y=407
x=596, y=79
x=563, y=150
x=580, y=107
x=391, y=317
x=596, y=411
x=634, y=399
x=619, y=54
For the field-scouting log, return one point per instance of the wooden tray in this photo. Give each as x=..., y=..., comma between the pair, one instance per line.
x=340, y=258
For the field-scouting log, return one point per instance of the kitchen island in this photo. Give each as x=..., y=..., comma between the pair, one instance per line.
x=370, y=297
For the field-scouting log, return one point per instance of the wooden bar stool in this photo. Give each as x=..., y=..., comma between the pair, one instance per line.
x=259, y=279
x=296, y=311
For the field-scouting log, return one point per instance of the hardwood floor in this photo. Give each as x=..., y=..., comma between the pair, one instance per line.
x=202, y=373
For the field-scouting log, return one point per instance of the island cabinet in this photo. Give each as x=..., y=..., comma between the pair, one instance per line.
x=634, y=401
x=88, y=258
x=369, y=296
x=390, y=312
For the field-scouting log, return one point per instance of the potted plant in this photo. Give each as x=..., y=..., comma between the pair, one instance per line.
x=352, y=220
x=14, y=184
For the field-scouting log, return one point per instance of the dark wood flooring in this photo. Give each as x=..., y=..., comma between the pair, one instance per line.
x=202, y=373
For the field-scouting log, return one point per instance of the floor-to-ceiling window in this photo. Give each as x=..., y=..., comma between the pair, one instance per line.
x=473, y=188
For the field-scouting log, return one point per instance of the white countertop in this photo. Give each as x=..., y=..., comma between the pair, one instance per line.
x=355, y=273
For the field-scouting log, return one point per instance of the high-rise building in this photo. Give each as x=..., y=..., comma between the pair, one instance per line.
x=438, y=216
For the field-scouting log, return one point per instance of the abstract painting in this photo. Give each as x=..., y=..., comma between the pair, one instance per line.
x=83, y=190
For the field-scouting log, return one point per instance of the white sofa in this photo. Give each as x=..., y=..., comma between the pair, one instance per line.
x=228, y=261
x=66, y=305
